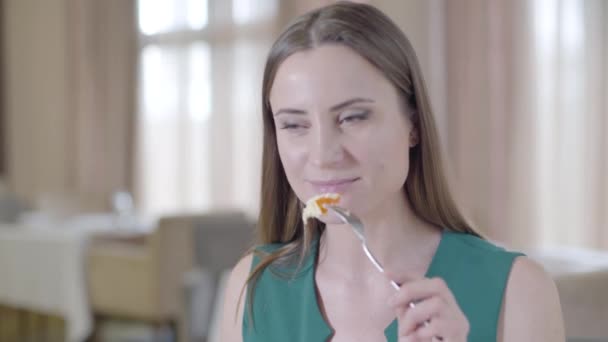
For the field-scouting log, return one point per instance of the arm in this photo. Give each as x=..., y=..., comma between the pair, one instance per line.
x=531, y=309
x=232, y=314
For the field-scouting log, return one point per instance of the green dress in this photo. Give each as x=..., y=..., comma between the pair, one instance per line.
x=476, y=271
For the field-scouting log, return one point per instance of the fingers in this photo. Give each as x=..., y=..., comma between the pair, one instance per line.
x=434, y=316
x=427, y=333
x=415, y=318
x=419, y=290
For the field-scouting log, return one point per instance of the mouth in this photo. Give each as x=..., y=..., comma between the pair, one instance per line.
x=333, y=186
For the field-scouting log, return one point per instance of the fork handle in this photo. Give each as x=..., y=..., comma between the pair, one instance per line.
x=376, y=264
x=413, y=305
x=396, y=286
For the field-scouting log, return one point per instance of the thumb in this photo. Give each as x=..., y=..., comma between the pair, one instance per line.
x=399, y=279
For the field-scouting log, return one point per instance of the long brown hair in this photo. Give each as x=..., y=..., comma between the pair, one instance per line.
x=371, y=34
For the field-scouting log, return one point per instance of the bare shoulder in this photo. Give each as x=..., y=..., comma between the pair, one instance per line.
x=531, y=310
x=232, y=315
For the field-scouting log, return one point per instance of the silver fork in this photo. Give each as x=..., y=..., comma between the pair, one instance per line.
x=359, y=231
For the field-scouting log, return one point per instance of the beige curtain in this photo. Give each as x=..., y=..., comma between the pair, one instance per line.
x=70, y=67
x=490, y=115
x=103, y=55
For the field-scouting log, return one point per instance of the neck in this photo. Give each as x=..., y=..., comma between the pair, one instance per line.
x=403, y=243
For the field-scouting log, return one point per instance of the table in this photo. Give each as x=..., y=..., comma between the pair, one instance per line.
x=42, y=268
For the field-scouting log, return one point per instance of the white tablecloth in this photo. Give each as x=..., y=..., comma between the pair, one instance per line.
x=42, y=269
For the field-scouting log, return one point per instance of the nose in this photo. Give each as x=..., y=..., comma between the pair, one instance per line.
x=326, y=148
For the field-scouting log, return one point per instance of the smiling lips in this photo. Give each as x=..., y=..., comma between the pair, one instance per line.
x=333, y=186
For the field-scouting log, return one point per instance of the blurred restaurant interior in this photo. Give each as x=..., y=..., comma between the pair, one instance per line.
x=131, y=139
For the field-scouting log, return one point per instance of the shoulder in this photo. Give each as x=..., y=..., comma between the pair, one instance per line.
x=234, y=301
x=240, y=273
x=531, y=309
x=474, y=244
x=529, y=280
x=486, y=255
x=236, y=292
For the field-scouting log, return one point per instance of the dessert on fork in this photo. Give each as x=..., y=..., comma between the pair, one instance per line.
x=316, y=206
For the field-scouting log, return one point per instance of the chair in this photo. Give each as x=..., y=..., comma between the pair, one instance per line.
x=141, y=277
x=584, y=299
x=220, y=240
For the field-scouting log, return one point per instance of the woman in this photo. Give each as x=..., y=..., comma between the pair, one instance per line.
x=346, y=111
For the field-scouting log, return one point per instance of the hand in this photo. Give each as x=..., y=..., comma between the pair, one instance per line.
x=434, y=304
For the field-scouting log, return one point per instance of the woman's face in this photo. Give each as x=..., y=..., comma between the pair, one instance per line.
x=340, y=128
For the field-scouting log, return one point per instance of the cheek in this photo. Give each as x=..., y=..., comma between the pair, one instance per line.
x=293, y=156
x=388, y=160
x=394, y=168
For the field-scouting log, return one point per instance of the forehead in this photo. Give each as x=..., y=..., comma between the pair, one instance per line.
x=325, y=75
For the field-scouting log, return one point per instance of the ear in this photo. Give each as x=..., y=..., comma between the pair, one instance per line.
x=414, y=138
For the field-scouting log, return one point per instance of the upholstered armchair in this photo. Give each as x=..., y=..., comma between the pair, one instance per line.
x=140, y=277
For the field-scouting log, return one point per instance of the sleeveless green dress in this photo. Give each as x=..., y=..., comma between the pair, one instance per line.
x=286, y=308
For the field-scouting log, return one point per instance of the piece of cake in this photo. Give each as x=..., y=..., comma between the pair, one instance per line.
x=315, y=207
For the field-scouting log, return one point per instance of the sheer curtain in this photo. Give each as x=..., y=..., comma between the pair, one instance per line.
x=199, y=121
x=571, y=105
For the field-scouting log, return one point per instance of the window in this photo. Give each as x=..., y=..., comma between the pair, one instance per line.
x=568, y=60
x=199, y=130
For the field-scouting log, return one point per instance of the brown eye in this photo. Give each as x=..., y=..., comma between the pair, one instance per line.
x=353, y=118
x=290, y=126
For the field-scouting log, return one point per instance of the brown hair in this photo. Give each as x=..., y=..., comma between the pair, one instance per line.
x=371, y=34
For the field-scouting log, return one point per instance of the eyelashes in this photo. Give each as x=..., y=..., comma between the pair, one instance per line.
x=347, y=119
x=353, y=118
x=290, y=126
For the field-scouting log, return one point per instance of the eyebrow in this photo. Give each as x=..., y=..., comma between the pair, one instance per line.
x=334, y=108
